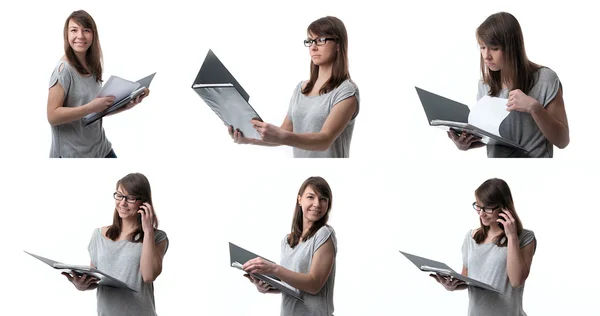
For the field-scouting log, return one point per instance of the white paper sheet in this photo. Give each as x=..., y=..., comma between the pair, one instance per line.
x=488, y=113
x=118, y=87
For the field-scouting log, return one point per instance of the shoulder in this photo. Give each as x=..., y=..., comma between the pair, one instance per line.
x=325, y=231
x=302, y=85
x=348, y=84
x=159, y=235
x=545, y=74
x=526, y=233
x=103, y=230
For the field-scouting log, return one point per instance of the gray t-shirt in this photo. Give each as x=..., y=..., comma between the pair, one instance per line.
x=121, y=259
x=73, y=140
x=521, y=127
x=487, y=263
x=308, y=114
x=299, y=259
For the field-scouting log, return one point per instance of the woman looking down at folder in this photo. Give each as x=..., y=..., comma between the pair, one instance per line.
x=307, y=255
x=498, y=253
x=537, y=120
x=74, y=84
x=131, y=250
x=322, y=111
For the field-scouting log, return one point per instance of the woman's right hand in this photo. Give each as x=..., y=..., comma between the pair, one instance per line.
x=261, y=286
x=237, y=135
x=464, y=141
x=448, y=282
x=101, y=103
x=81, y=282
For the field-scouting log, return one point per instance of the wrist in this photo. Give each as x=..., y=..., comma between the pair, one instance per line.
x=536, y=108
x=285, y=137
x=277, y=270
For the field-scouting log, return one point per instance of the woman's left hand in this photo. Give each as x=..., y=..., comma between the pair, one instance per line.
x=269, y=132
x=519, y=101
x=147, y=217
x=509, y=223
x=138, y=100
x=259, y=265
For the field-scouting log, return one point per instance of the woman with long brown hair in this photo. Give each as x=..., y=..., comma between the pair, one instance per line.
x=321, y=115
x=537, y=119
x=498, y=253
x=307, y=255
x=74, y=85
x=131, y=249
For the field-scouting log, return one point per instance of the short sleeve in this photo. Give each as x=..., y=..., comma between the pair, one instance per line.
x=548, y=84
x=93, y=247
x=321, y=237
x=294, y=99
x=465, y=248
x=160, y=236
x=346, y=90
x=62, y=76
x=526, y=237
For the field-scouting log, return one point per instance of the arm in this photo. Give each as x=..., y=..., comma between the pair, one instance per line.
x=131, y=103
x=334, y=125
x=58, y=114
x=552, y=121
x=321, y=267
x=152, y=257
x=285, y=126
x=518, y=261
x=82, y=282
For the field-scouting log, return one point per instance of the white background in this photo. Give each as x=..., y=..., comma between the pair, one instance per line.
x=409, y=190
x=430, y=44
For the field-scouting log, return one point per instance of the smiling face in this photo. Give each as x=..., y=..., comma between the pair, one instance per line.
x=313, y=205
x=488, y=219
x=126, y=209
x=492, y=56
x=79, y=38
x=322, y=54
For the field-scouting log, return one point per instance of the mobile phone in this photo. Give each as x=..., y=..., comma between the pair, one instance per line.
x=500, y=224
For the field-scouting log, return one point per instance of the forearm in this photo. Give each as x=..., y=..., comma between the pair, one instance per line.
x=150, y=263
x=554, y=131
x=261, y=142
x=308, y=141
x=300, y=281
x=63, y=115
x=515, y=264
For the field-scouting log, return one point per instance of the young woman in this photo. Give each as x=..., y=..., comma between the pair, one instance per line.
x=498, y=253
x=131, y=250
x=74, y=84
x=322, y=111
x=537, y=119
x=307, y=255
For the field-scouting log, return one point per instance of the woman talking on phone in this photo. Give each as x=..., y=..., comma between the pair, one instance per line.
x=321, y=114
x=74, y=84
x=130, y=250
x=537, y=120
x=307, y=255
x=498, y=253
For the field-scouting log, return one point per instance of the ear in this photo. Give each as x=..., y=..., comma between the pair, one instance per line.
x=299, y=198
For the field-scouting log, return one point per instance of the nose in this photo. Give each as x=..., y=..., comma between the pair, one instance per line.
x=486, y=54
x=123, y=202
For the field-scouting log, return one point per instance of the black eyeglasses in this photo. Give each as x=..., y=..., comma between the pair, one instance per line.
x=129, y=199
x=486, y=209
x=318, y=41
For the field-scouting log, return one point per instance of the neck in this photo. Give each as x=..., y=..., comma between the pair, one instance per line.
x=128, y=225
x=325, y=72
x=306, y=225
x=494, y=230
x=81, y=59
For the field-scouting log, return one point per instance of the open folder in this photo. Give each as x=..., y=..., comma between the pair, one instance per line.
x=105, y=279
x=225, y=96
x=428, y=265
x=482, y=121
x=123, y=90
x=238, y=256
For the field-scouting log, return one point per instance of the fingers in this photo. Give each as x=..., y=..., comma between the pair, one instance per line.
x=230, y=130
x=257, y=123
x=69, y=277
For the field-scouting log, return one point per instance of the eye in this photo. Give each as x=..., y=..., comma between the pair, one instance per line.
x=323, y=199
x=321, y=40
x=87, y=30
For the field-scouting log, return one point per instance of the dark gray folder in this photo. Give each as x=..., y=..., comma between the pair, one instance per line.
x=225, y=96
x=105, y=279
x=143, y=84
x=428, y=265
x=238, y=256
x=441, y=111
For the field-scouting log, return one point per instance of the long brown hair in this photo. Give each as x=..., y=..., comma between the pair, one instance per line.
x=93, y=56
x=321, y=187
x=503, y=30
x=330, y=26
x=495, y=192
x=136, y=184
